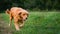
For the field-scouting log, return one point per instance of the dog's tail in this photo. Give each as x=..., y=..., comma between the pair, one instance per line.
x=7, y=11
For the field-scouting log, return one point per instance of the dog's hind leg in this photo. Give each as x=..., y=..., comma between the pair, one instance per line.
x=10, y=20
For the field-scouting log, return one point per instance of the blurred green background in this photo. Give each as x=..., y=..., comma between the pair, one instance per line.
x=31, y=4
x=44, y=16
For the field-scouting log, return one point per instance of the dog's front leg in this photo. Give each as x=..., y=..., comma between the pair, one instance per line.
x=16, y=25
x=21, y=24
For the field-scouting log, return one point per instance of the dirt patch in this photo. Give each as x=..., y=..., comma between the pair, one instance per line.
x=4, y=28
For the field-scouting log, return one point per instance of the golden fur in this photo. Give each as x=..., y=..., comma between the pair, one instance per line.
x=19, y=15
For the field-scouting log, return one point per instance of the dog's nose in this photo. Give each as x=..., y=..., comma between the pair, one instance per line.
x=26, y=18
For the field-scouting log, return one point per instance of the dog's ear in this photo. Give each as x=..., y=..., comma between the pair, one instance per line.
x=20, y=13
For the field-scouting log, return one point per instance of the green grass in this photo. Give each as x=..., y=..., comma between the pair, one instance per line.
x=39, y=23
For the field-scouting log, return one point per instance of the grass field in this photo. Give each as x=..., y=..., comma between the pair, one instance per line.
x=38, y=23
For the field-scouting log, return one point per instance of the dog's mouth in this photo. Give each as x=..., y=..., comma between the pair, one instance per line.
x=24, y=20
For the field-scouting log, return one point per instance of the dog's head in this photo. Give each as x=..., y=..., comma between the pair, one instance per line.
x=23, y=15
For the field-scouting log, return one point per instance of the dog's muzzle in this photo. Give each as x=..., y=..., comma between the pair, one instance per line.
x=25, y=19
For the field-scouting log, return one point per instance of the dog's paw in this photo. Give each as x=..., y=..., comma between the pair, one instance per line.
x=17, y=29
x=9, y=25
x=21, y=26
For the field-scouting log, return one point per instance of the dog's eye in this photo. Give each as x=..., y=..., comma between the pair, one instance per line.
x=23, y=14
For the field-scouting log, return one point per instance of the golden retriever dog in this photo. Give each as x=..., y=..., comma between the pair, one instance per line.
x=19, y=15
